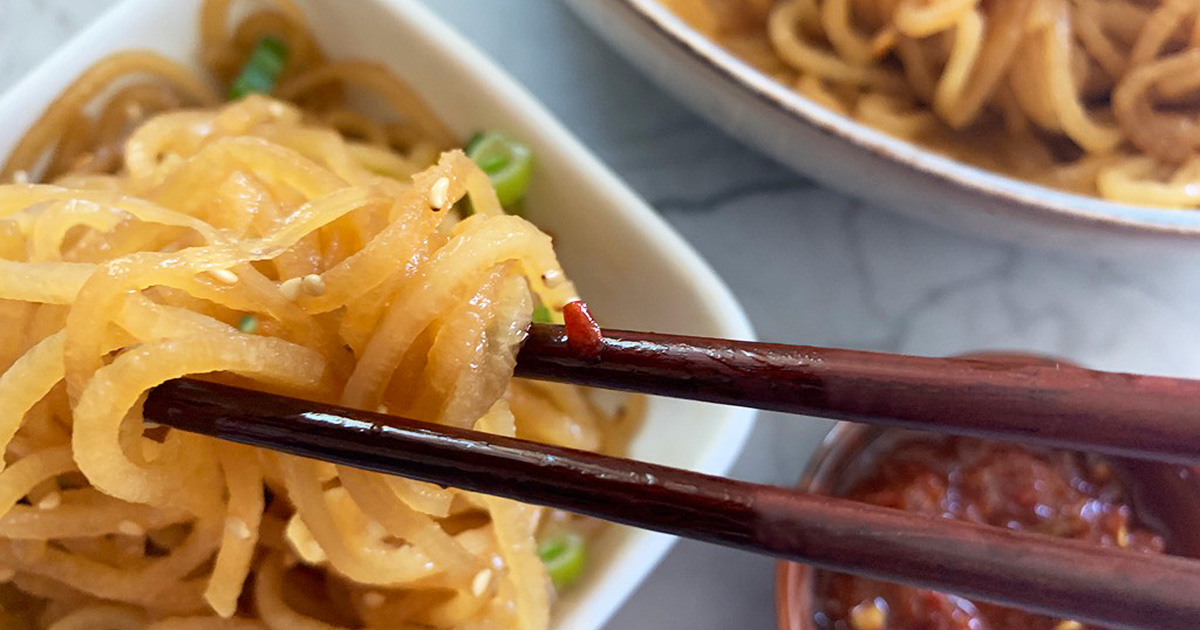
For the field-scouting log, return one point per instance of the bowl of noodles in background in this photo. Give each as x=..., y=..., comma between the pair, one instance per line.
x=329, y=241
x=1072, y=123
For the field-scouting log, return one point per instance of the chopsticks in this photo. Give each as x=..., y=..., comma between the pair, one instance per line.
x=1106, y=586
x=1048, y=403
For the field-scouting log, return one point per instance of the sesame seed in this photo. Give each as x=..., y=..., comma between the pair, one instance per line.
x=290, y=288
x=6, y=574
x=129, y=528
x=552, y=278
x=482, y=580
x=83, y=161
x=373, y=599
x=376, y=530
x=1122, y=536
x=438, y=193
x=224, y=276
x=50, y=501
x=276, y=109
x=21, y=177
x=1068, y=624
x=149, y=424
x=313, y=285
x=867, y=616
x=238, y=528
x=382, y=408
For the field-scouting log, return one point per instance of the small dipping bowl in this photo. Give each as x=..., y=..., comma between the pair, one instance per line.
x=1165, y=498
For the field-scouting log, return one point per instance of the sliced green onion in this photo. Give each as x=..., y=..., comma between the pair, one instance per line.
x=507, y=162
x=473, y=142
x=565, y=555
x=262, y=69
x=541, y=315
x=248, y=324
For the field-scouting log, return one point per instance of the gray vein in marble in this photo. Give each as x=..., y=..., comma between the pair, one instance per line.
x=718, y=199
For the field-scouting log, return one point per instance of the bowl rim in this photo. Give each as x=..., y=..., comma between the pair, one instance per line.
x=1034, y=201
x=726, y=443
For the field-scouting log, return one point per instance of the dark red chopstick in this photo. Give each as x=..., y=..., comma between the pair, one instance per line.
x=1051, y=404
x=1109, y=587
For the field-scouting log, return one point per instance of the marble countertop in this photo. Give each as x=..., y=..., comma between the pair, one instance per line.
x=810, y=265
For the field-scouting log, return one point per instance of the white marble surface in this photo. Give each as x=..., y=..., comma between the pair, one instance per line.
x=811, y=266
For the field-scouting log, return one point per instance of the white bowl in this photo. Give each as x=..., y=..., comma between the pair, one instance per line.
x=860, y=161
x=630, y=265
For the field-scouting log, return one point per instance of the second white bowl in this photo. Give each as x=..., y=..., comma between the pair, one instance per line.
x=865, y=163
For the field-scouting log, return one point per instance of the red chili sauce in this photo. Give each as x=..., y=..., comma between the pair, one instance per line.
x=1060, y=493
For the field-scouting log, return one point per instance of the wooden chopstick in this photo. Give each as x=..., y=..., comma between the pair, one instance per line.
x=1049, y=403
x=1109, y=587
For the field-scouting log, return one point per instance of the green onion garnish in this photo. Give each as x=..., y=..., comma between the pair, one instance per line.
x=473, y=142
x=541, y=315
x=564, y=555
x=507, y=162
x=248, y=324
x=262, y=69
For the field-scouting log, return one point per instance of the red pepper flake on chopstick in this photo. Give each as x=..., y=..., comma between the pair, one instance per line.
x=583, y=333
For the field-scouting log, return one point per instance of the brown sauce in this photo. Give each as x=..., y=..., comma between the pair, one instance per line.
x=1059, y=493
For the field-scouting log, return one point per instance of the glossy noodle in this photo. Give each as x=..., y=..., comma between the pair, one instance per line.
x=294, y=243
x=1100, y=97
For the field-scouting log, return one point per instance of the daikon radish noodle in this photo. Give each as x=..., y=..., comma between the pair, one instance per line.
x=156, y=227
x=1100, y=97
